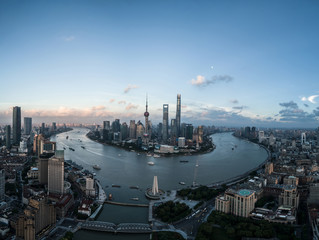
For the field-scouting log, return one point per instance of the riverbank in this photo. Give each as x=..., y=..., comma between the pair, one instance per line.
x=184, y=152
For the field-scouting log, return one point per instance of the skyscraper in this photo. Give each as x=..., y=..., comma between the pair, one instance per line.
x=8, y=136
x=178, y=115
x=16, y=125
x=106, y=125
x=27, y=125
x=165, y=122
x=132, y=134
x=56, y=173
x=146, y=115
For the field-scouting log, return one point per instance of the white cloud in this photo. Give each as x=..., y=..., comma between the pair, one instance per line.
x=200, y=80
x=310, y=98
x=131, y=106
x=130, y=87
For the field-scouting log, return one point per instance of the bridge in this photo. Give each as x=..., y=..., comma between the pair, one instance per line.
x=120, y=228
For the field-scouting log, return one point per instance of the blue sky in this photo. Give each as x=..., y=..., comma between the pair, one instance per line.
x=235, y=63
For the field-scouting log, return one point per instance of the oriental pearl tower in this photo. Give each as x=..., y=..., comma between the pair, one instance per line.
x=146, y=115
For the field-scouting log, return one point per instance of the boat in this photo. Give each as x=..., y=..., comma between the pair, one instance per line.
x=97, y=167
x=83, y=147
x=156, y=156
x=149, y=155
x=183, y=161
x=110, y=196
x=151, y=163
x=182, y=183
x=94, y=174
x=135, y=198
x=134, y=187
x=114, y=185
x=67, y=137
x=71, y=149
x=64, y=148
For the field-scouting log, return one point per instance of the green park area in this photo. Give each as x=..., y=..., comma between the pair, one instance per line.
x=220, y=226
x=171, y=211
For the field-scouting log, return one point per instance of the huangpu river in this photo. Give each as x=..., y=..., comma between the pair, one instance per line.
x=232, y=157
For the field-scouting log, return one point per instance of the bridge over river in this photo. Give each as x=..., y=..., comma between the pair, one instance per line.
x=117, y=228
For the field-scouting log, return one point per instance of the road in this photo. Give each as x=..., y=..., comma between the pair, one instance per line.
x=191, y=223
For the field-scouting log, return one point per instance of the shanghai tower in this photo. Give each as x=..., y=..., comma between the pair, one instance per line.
x=178, y=115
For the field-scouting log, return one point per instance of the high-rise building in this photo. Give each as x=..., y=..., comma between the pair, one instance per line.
x=27, y=125
x=132, y=134
x=2, y=184
x=178, y=115
x=42, y=129
x=53, y=126
x=289, y=196
x=173, y=128
x=106, y=125
x=146, y=115
x=165, y=123
x=116, y=126
x=303, y=138
x=43, y=170
x=189, y=129
x=124, y=131
x=8, y=136
x=56, y=173
x=16, y=125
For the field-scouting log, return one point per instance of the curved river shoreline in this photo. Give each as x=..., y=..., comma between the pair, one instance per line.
x=126, y=169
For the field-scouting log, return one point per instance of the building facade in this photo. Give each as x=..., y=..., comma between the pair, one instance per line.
x=178, y=115
x=56, y=173
x=165, y=123
x=16, y=125
x=27, y=125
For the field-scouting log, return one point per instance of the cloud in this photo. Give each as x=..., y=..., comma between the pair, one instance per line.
x=131, y=106
x=68, y=38
x=290, y=104
x=310, y=98
x=121, y=102
x=234, y=101
x=240, y=107
x=306, y=105
x=130, y=87
x=112, y=100
x=201, y=80
x=98, y=108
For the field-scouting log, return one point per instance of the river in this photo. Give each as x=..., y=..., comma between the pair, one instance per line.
x=232, y=157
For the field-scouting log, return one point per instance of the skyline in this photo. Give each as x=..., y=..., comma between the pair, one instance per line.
x=235, y=64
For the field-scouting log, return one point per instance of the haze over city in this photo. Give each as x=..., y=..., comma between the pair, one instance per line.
x=234, y=63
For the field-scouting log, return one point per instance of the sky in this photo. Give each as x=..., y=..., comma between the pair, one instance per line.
x=235, y=63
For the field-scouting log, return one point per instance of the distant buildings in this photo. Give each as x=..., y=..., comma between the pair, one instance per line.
x=16, y=125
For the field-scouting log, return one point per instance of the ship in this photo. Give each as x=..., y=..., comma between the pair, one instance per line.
x=110, y=196
x=151, y=163
x=135, y=198
x=156, y=156
x=67, y=137
x=183, y=161
x=114, y=185
x=182, y=183
x=134, y=187
x=83, y=147
x=97, y=167
x=71, y=149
